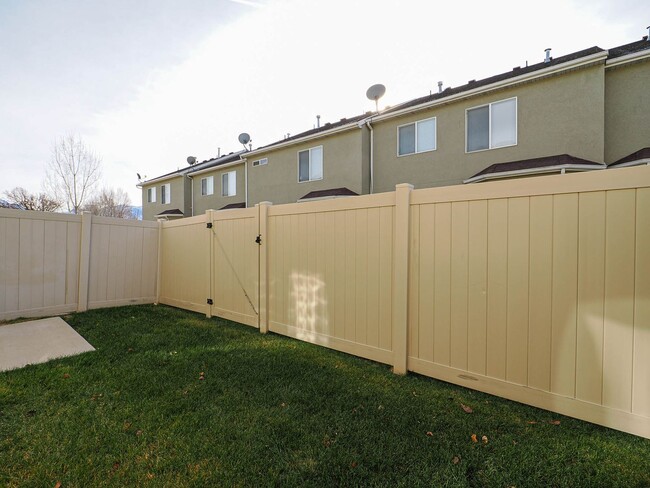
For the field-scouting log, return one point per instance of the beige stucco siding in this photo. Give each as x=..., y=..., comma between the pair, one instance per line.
x=180, y=197
x=216, y=201
x=556, y=115
x=627, y=109
x=277, y=181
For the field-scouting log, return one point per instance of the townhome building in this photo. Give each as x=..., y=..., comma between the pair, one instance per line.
x=582, y=111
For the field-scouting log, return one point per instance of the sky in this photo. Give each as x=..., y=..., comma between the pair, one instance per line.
x=148, y=83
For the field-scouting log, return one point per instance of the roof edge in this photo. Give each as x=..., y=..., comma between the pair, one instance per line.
x=628, y=58
x=531, y=171
x=573, y=64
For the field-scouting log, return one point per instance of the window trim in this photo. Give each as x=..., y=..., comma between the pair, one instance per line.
x=222, y=187
x=167, y=193
x=259, y=162
x=322, y=152
x=490, y=125
x=151, y=194
x=416, y=122
x=206, y=194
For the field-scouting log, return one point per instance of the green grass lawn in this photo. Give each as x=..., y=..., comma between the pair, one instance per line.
x=272, y=411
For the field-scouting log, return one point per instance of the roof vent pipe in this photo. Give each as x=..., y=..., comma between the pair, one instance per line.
x=440, y=87
x=648, y=36
x=548, y=55
x=317, y=121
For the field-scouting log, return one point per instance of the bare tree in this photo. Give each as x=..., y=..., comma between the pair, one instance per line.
x=111, y=203
x=73, y=171
x=32, y=201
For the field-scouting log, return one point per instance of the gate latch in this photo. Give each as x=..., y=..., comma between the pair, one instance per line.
x=209, y=225
x=210, y=301
x=258, y=239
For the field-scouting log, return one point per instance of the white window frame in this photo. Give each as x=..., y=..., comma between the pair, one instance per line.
x=209, y=186
x=489, y=148
x=322, y=169
x=151, y=195
x=225, y=192
x=260, y=162
x=415, y=123
x=166, y=194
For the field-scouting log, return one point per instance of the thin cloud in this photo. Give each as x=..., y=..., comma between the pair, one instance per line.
x=248, y=3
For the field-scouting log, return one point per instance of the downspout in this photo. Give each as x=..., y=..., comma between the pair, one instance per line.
x=372, y=157
x=192, y=197
x=245, y=181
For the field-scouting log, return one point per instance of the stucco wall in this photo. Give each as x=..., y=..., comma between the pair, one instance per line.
x=277, y=181
x=556, y=115
x=216, y=201
x=179, y=186
x=627, y=109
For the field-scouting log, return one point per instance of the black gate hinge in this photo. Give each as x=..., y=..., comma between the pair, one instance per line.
x=210, y=301
x=209, y=225
x=258, y=239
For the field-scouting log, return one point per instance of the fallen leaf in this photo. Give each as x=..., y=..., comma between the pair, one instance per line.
x=456, y=460
x=151, y=476
x=138, y=433
x=554, y=422
x=283, y=404
x=484, y=439
x=66, y=376
x=474, y=439
x=116, y=466
x=430, y=434
x=58, y=484
x=532, y=422
x=466, y=408
x=130, y=349
x=353, y=464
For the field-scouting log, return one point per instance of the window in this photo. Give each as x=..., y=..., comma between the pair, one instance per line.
x=261, y=162
x=207, y=185
x=229, y=184
x=310, y=164
x=416, y=137
x=151, y=195
x=492, y=126
x=166, y=194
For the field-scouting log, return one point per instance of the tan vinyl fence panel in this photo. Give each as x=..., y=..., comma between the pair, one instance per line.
x=543, y=299
x=39, y=263
x=235, y=287
x=123, y=262
x=54, y=263
x=185, y=264
x=330, y=273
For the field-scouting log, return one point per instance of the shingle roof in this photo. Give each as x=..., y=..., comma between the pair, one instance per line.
x=171, y=213
x=631, y=48
x=529, y=165
x=496, y=78
x=207, y=163
x=234, y=205
x=635, y=156
x=325, y=127
x=331, y=192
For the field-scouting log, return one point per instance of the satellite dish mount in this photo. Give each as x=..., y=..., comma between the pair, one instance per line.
x=244, y=138
x=375, y=92
x=191, y=160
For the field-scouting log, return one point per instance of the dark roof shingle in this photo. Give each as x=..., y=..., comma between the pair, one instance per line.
x=635, y=156
x=330, y=192
x=535, y=163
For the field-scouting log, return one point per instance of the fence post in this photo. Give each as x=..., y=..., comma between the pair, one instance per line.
x=401, y=277
x=209, y=220
x=160, y=261
x=84, y=261
x=263, y=216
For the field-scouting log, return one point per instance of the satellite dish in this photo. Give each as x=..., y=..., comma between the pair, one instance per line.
x=375, y=92
x=191, y=160
x=244, y=138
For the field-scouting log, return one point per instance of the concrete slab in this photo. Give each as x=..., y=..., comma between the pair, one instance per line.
x=38, y=341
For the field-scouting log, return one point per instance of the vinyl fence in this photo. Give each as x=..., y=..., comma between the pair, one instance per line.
x=535, y=289
x=55, y=263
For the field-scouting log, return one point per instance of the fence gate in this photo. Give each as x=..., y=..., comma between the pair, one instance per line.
x=235, y=265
